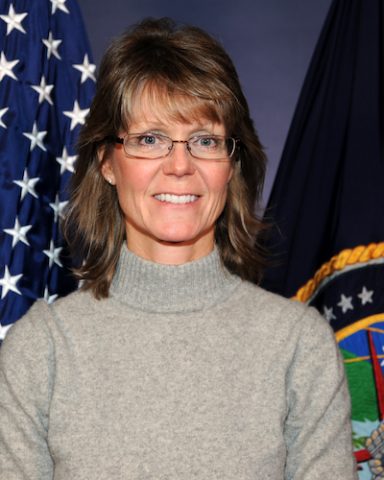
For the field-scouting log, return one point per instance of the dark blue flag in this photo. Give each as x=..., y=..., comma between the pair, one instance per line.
x=46, y=85
x=327, y=204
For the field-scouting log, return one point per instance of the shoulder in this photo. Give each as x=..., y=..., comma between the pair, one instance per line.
x=278, y=315
x=273, y=307
x=304, y=339
x=42, y=319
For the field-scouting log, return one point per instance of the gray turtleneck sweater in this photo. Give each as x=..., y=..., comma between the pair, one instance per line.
x=184, y=372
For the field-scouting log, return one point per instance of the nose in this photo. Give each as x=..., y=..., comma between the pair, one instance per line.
x=179, y=162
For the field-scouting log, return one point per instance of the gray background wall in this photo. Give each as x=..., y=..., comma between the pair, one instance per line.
x=270, y=42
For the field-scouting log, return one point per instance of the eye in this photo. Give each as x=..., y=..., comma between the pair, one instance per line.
x=147, y=140
x=207, y=142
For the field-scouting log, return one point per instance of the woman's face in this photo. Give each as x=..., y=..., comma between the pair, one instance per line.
x=170, y=205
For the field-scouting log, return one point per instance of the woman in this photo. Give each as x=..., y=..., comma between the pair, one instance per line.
x=170, y=363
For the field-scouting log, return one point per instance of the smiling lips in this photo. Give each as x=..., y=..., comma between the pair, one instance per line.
x=176, y=199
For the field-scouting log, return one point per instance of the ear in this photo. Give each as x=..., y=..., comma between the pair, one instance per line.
x=106, y=167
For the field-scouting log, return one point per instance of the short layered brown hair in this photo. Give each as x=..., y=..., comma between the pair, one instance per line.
x=165, y=60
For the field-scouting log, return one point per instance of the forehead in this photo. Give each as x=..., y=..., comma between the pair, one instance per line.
x=159, y=104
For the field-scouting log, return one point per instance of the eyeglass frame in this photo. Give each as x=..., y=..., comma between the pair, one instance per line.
x=121, y=140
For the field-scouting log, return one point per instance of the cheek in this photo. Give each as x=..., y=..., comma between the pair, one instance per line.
x=218, y=181
x=131, y=178
x=133, y=182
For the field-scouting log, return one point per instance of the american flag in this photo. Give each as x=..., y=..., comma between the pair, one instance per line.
x=47, y=82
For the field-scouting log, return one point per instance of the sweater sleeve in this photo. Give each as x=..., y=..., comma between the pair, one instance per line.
x=317, y=430
x=26, y=376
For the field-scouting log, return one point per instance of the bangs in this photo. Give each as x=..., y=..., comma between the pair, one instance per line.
x=171, y=104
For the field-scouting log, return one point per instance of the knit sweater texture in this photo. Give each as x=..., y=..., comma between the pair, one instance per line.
x=184, y=372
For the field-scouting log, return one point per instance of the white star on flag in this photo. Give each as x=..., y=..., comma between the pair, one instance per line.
x=59, y=4
x=44, y=91
x=53, y=254
x=87, y=69
x=36, y=138
x=345, y=303
x=27, y=185
x=365, y=296
x=3, y=111
x=4, y=330
x=13, y=20
x=49, y=298
x=58, y=207
x=52, y=46
x=8, y=282
x=328, y=313
x=66, y=161
x=18, y=233
x=6, y=67
x=77, y=115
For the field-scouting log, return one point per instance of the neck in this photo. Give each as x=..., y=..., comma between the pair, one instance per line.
x=149, y=286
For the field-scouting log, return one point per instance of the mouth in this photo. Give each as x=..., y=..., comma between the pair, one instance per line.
x=176, y=199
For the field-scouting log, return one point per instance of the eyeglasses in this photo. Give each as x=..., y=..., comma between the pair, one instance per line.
x=153, y=146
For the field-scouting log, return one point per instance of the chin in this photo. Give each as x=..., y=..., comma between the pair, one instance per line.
x=181, y=238
x=178, y=239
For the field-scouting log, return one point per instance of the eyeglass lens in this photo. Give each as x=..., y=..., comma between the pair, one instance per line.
x=155, y=146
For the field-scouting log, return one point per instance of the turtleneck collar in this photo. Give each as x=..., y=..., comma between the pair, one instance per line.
x=154, y=287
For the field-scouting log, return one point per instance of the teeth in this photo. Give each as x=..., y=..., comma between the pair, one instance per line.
x=167, y=197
